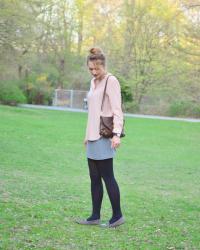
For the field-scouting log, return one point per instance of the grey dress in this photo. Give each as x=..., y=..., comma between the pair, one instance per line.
x=100, y=149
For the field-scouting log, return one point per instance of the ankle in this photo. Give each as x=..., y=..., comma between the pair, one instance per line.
x=93, y=217
x=115, y=218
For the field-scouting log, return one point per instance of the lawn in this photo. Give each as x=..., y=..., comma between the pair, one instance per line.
x=44, y=184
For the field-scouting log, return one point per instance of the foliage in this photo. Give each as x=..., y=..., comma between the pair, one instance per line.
x=10, y=93
x=125, y=90
x=184, y=108
x=147, y=43
x=38, y=89
x=131, y=107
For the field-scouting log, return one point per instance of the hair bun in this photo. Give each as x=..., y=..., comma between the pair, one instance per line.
x=96, y=51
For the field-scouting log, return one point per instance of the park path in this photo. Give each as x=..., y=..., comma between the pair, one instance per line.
x=126, y=114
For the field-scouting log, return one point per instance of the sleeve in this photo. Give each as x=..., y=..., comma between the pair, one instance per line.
x=86, y=130
x=114, y=93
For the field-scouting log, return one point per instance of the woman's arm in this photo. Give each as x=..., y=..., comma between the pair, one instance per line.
x=114, y=92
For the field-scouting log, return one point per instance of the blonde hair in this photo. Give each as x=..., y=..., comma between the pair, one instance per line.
x=96, y=54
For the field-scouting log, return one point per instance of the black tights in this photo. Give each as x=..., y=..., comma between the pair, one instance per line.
x=103, y=169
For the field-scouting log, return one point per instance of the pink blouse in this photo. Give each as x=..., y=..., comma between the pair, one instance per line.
x=111, y=107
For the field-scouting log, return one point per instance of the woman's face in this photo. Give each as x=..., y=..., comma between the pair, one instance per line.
x=96, y=69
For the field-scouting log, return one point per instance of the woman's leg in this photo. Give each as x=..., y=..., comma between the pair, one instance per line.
x=96, y=189
x=106, y=169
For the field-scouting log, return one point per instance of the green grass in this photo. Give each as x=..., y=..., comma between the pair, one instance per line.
x=44, y=184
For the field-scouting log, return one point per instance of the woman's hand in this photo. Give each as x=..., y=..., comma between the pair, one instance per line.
x=115, y=142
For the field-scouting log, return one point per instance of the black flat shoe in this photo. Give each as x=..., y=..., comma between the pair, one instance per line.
x=88, y=222
x=114, y=224
x=117, y=223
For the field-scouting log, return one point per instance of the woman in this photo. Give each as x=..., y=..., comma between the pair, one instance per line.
x=100, y=150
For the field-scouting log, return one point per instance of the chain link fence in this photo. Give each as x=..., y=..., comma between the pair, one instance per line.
x=77, y=99
x=70, y=98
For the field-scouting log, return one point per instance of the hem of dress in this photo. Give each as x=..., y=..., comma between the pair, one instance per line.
x=94, y=139
x=101, y=158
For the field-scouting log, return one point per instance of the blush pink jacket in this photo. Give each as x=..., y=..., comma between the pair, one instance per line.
x=111, y=107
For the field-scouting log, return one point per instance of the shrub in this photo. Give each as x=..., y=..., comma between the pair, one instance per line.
x=131, y=107
x=10, y=93
x=38, y=89
x=125, y=89
x=196, y=111
x=184, y=108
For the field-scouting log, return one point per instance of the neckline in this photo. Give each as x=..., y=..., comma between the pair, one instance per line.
x=93, y=80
